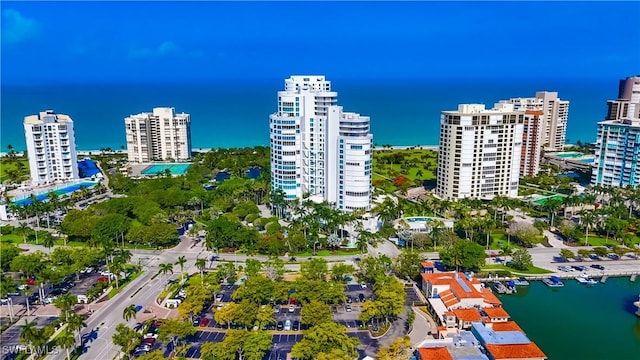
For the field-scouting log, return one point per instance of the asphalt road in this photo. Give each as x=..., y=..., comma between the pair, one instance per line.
x=104, y=320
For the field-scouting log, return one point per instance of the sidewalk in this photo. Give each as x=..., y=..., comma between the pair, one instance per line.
x=422, y=325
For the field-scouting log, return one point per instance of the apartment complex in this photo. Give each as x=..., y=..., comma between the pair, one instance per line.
x=532, y=137
x=555, y=114
x=617, y=161
x=161, y=135
x=479, y=152
x=51, y=147
x=319, y=149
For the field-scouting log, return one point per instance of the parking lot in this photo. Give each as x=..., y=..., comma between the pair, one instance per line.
x=411, y=296
x=11, y=337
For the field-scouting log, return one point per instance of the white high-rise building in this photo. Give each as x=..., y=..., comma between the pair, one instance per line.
x=161, y=135
x=317, y=148
x=479, y=152
x=555, y=114
x=617, y=161
x=51, y=147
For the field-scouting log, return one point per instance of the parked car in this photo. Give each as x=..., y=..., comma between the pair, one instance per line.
x=363, y=286
x=613, y=257
x=31, y=281
x=196, y=321
x=287, y=325
x=348, y=308
x=597, y=266
x=361, y=297
x=280, y=326
x=204, y=322
x=295, y=326
x=292, y=308
x=277, y=309
x=349, y=299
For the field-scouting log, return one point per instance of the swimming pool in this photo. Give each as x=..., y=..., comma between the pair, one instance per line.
x=569, y=154
x=60, y=192
x=419, y=218
x=175, y=169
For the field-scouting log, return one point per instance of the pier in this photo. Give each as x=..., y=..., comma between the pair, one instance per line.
x=565, y=275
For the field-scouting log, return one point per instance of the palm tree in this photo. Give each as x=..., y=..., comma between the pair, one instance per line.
x=116, y=268
x=65, y=303
x=201, y=263
x=29, y=333
x=66, y=341
x=76, y=323
x=166, y=268
x=588, y=219
x=437, y=231
x=23, y=229
x=26, y=293
x=129, y=312
x=48, y=240
x=195, y=201
x=181, y=261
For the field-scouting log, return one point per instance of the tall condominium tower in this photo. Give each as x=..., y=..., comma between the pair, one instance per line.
x=479, y=152
x=51, y=147
x=617, y=161
x=531, y=143
x=317, y=148
x=555, y=114
x=161, y=135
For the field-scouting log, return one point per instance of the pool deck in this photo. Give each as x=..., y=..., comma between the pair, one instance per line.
x=137, y=169
x=26, y=191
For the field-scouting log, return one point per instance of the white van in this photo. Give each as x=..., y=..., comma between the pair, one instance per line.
x=82, y=299
x=172, y=303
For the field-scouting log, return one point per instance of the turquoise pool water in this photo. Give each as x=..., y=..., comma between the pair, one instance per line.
x=62, y=191
x=569, y=154
x=176, y=169
x=419, y=218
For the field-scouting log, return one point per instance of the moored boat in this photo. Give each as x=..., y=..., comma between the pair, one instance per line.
x=553, y=281
x=586, y=280
x=521, y=282
x=637, y=304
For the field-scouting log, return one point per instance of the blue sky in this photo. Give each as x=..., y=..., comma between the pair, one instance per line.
x=63, y=42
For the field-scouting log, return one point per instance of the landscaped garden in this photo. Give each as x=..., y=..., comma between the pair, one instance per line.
x=400, y=169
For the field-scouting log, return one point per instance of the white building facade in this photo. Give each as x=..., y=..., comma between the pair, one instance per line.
x=555, y=116
x=51, y=147
x=479, y=152
x=317, y=148
x=617, y=161
x=161, y=135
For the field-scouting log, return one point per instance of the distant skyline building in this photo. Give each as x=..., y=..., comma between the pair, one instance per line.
x=555, y=116
x=161, y=135
x=51, y=147
x=617, y=161
x=319, y=149
x=479, y=152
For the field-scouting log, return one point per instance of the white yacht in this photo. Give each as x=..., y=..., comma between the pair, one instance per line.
x=585, y=279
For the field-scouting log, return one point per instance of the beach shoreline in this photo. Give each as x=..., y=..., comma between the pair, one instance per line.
x=202, y=150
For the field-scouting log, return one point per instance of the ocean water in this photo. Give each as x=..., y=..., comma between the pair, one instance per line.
x=576, y=322
x=225, y=114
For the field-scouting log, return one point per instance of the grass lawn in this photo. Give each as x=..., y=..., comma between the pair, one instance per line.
x=330, y=252
x=499, y=241
x=123, y=283
x=387, y=164
x=531, y=271
x=11, y=238
x=602, y=241
x=6, y=165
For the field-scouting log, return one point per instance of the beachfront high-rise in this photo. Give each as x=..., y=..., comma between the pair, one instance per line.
x=555, y=114
x=51, y=147
x=617, y=161
x=479, y=152
x=319, y=149
x=532, y=139
x=161, y=135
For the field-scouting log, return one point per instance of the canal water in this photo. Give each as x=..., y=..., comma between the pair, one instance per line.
x=576, y=322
